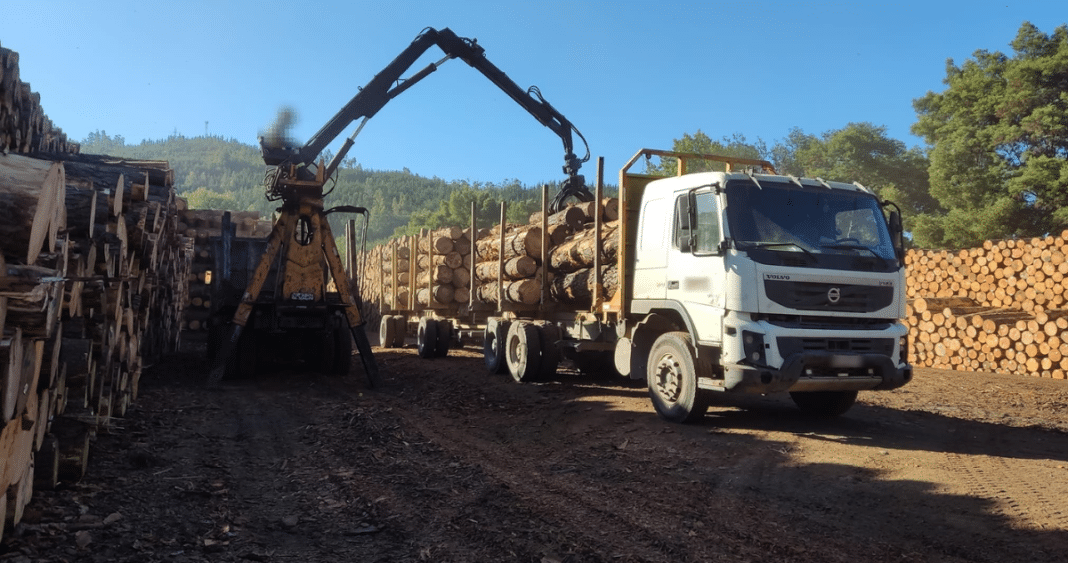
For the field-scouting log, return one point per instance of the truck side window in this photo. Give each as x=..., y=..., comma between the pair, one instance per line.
x=683, y=229
x=708, y=233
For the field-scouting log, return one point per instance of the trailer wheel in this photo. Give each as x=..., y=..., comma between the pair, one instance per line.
x=427, y=337
x=400, y=330
x=387, y=331
x=550, y=354
x=493, y=343
x=826, y=404
x=523, y=351
x=444, y=340
x=672, y=377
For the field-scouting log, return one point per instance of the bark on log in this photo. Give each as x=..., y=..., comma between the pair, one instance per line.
x=578, y=252
x=523, y=241
x=576, y=288
x=31, y=194
x=514, y=268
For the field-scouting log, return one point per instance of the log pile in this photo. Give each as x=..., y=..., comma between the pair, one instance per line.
x=24, y=128
x=504, y=267
x=198, y=226
x=92, y=271
x=1000, y=307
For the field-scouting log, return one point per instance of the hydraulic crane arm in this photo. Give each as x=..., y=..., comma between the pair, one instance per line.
x=388, y=84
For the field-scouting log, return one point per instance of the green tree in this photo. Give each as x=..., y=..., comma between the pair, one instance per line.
x=862, y=152
x=701, y=143
x=999, y=143
x=203, y=198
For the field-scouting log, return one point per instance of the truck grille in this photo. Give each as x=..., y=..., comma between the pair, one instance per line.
x=816, y=296
x=789, y=345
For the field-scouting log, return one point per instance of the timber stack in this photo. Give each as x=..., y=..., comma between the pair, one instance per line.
x=450, y=272
x=24, y=127
x=1001, y=307
x=92, y=271
x=200, y=226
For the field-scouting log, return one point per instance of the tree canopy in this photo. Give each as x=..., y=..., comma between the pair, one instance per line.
x=999, y=143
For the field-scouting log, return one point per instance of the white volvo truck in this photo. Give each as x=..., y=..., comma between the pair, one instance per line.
x=740, y=281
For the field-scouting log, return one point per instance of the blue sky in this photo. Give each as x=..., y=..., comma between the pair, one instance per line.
x=628, y=74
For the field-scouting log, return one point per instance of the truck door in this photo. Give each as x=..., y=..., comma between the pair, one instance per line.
x=695, y=270
x=651, y=250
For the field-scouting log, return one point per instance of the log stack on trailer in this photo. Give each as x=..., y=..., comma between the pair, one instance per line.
x=92, y=272
x=1001, y=307
x=503, y=268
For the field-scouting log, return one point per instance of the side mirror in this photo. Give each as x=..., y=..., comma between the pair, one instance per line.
x=897, y=234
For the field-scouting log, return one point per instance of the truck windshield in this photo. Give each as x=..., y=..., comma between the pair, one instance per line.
x=784, y=217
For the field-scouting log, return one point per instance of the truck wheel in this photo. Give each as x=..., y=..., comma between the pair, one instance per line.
x=400, y=330
x=550, y=354
x=523, y=351
x=387, y=331
x=493, y=342
x=444, y=340
x=672, y=376
x=824, y=403
x=426, y=338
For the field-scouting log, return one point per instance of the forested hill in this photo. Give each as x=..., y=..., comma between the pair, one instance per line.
x=216, y=173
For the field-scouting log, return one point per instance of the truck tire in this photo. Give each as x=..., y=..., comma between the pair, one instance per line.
x=549, y=335
x=672, y=377
x=426, y=338
x=826, y=404
x=387, y=331
x=444, y=340
x=400, y=330
x=493, y=342
x=523, y=351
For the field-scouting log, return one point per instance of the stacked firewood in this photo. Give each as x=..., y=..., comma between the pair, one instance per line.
x=507, y=266
x=92, y=272
x=1000, y=307
x=24, y=127
x=199, y=226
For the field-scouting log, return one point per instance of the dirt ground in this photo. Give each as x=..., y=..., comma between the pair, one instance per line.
x=447, y=463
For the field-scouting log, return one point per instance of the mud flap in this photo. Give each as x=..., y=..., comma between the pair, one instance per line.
x=363, y=346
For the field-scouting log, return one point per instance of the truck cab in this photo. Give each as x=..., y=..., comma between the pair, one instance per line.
x=771, y=283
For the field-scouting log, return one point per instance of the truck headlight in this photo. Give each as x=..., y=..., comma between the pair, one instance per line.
x=903, y=349
x=753, y=346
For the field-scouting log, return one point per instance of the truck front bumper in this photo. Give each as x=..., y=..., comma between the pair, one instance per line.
x=818, y=371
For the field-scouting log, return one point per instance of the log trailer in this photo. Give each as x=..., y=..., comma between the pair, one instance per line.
x=735, y=281
x=299, y=299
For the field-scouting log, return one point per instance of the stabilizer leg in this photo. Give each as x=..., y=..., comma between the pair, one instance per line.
x=363, y=346
x=225, y=358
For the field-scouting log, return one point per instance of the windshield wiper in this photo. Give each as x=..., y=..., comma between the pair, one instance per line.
x=752, y=244
x=851, y=247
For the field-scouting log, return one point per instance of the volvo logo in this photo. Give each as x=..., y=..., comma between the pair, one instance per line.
x=834, y=294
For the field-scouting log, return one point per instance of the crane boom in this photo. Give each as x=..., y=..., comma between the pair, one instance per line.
x=388, y=84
